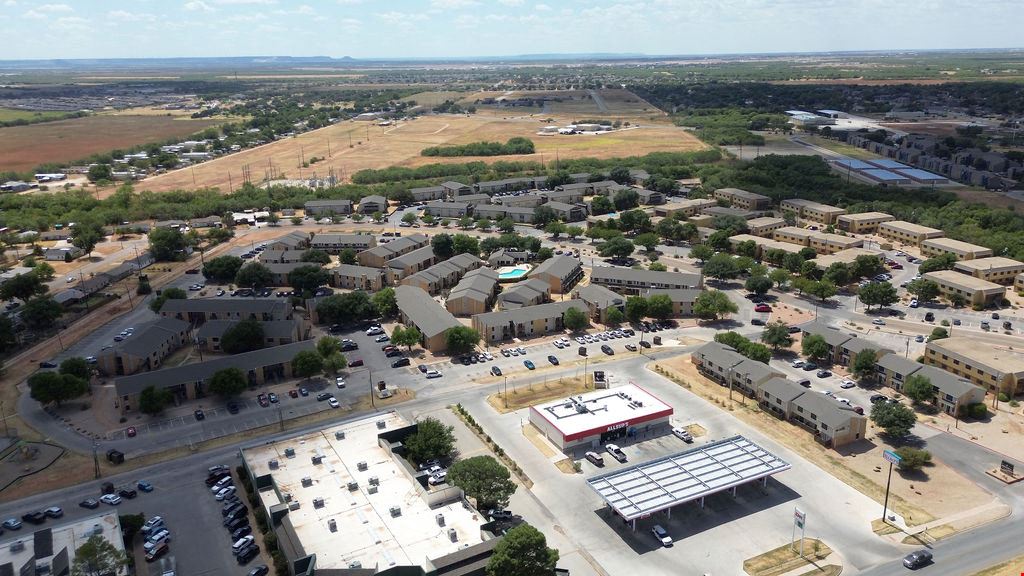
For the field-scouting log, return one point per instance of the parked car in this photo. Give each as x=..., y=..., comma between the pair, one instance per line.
x=661, y=535
x=199, y=415
x=808, y=366
x=12, y=524
x=607, y=349
x=272, y=397
x=917, y=559
x=595, y=458
x=323, y=396
x=333, y=403
x=797, y=363
x=553, y=360
x=90, y=503
x=54, y=512
x=34, y=517
x=356, y=363
x=878, y=322
x=112, y=499
x=400, y=362
x=144, y=486
x=529, y=364
x=128, y=493
x=847, y=384
x=683, y=434
x=495, y=370
x=823, y=374
x=762, y=308
x=433, y=374
x=616, y=452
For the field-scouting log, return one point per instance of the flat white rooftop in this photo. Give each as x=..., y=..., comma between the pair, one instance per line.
x=602, y=410
x=366, y=531
x=69, y=536
x=672, y=480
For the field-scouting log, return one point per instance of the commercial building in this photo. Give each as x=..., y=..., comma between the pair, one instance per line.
x=335, y=243
x=275, y=333
x=631, y=282
x=560, y=272
x=196, y=311
x=862, y=223
x=998, y=269
x=343, y=501
x=586, y=421
x=52, y=550
x=417, y=308
x=951, y=392
x=327, y=207
x=765, y=225
x=146, y=349
x=962, y=250
x=738, y=198
x=975, y=291
x=687, y=208
x=682, y=299
x=352, y=277
x=474, y=294
x=378, y=256
x=812, y=211
x=529, y=292
x=599, y=301
x=995, y=368
x=444, y=274
x=908, y=232
x=524, y=322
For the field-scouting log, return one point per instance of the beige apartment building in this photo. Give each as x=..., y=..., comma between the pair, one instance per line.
x=764, y=245
x=812, y=211
x=962, y=250
x=907, y=232
x=998, y=269
x=976, y=291
x=794, y=235
x=862, y=223
x=951, y=392
x=765, y=225
x=738, y=198
x=847, y=256
x=353, y=277
x=688, y=208
x=524, y=322
x=994, y=368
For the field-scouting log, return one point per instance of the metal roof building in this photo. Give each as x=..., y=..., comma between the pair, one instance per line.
x=661, y=484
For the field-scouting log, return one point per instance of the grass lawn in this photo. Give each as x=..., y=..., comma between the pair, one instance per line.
x=10, y=114
x=785, y=559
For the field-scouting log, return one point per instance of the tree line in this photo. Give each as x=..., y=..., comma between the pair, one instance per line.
x=516, y=145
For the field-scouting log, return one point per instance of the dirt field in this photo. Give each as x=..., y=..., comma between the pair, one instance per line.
x=936, y=127
x=25, y=147
x=618, y=103
x=433, y=98
x=400, y=145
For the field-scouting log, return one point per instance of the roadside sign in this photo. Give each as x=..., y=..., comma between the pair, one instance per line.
x=891, y=457
x=1006, y=468
x=799, y=518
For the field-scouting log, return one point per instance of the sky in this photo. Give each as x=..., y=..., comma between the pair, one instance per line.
x=466, y=28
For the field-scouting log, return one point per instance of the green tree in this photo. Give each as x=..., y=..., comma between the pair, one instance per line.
x=555, y=228
x=721, y=266
x=648, y=240
x=316, y=257
x=222, y=269
x=335, y=363
x=919, y=389
x=327, y=345
x=76, y=366
x=659, y=306
x=8, y=337
x=938, y=333
x=878, y=294
x=98, y=557
x=384, y=301
x=943, y=262
x=506, y=225
x=823, y=290
x=245, y=336
x=657, y=267
x=461, y=339
x=621, y=175
x=719, y=240
x=838, y=274
x=307, y=364
x=167, y=294
x=756, y=352
x=780, y=276
x=617, y=247
x=601, y=205
x=432, y=440
x=99, y=172
x=347, y=256
x=747, y=248
x=713, y=304
x=484, y=479
x=793, y=262
x=542, y=215
x=466, y=244
x=152, y=401
x=544, y=254
x=758, y=285
x=814, y=346
x=407, y=337
x=131, y=524
x=345, y=308
x=483, y=224
x=776, y=334
x=925, y=290
x=575, y=320
x=167, y=244
x=22, y=287
x=86, y=235
x=523, y=551
x=895, y=419
x=443, y=245
x=864, y=363
x=702, y=252
x=636, y=308
x=409, y=218
x=52, y=387
x=41, y=312
x=308, y=278
x=228, y=382
x=913, y=458
x=865, y=266
x=573, y=232
x=614, y=316
x=626, y=199
x=253, y=275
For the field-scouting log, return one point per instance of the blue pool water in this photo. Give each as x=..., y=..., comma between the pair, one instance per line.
x=512, y=274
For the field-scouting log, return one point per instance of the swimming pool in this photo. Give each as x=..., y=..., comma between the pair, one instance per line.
x=513, y=272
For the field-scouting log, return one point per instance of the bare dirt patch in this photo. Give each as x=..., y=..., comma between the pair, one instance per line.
x=786, y=559
x=525, y=396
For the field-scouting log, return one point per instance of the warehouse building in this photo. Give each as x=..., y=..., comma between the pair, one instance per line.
x=586, y=421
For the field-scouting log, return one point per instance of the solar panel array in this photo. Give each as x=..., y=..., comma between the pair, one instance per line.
x=671, y=480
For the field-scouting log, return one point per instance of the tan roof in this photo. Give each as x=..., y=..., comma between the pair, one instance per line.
x=998, y=358
x=962, y=280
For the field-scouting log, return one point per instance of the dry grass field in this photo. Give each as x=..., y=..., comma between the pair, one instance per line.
x=615, y=104
x=25, y=147
x=400, y=145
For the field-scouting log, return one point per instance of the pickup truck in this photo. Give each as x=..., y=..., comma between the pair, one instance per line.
x=616, y=452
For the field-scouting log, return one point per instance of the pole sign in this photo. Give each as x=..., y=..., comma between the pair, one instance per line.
x=799, y=518
x=892, y=457
x=1006, y=468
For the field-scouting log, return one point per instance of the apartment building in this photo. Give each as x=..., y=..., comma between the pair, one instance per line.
x=997, y=269
x=560, y=272
x=731, y=212
x=196, y=311
x=444, y=274
x=399, y=267
x=280, y=272
x=333, y=243
x=507, y=257
x=764, y=245
x=794, y=235
x=290, y=241
x=599, y=301
x=907, y=232
x=325, y=207
x=975, y=291
x=995, y=368
x=455, y=189
x=567, y=195
x=738, y=198
x=353, y=277
x=474, y=294
x=863, y=222
x=962, y=250
x=688, y=208
x=280, y=256
x=568, y=212
x=511, y=184
x=834, y=337
x=846, y=256
x=524, y=322
x=631, y=282
x=531, y=200
x=833, y=423
x=650, y=197
x=812, y=211
x=210, y=336
x=428, y=193
x=373, y=203
x=378, y=256
x=445, y=209
x=765, y=225
x=146, y=349
x=951, y=392
x=416, y=308
x=529, y=292
x=824, y=243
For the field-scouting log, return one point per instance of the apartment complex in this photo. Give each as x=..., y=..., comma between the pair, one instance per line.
x=765, y=225
x=444, y=274
x=682, y=299
x=333, y=243
x=998, y=269
x=975, y=291
x=210, y=336
x=951, y=391
x=764, y=245
x=863, y=222
x=372, y=204
x=524, y=322
x=812, y=211
x=529, y=292
x=560, y=272
x=738, y=198
x=599, y=301
x=378, y=256
x=631, y=282
x=410, y=263
x=820, y=242
x=353, y=277
x=474, y=294
x=962, y=250
x=907, y=232
x=995, y=368
x=327, y=207
x=146, y=349
x=690, y=207
x=416, y=308
x=196, y=311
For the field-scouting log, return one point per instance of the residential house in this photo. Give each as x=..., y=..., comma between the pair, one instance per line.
x=144, y=350
x=208, y=222
x=290, y=241
x=524, y=322
x=526, y=293
x=328, y=207
x=599, y=301
x=63, y=254
x=650, y=197
x=560, y=272
x=474, y=294
x=631, y=282
x=417, y=309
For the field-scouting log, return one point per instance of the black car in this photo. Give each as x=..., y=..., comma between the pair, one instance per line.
x=238, y=513
x=756, y=322
x=260, y=570
x=47, y=364
x=248, y=553
x=465, y=360
x=917, y=559
x=233, y=407
x=324, y=396
x=199, y=415
x=233, y=524
x=495, y=370
x=241, y=532
x=794, y=329
x=216, y=477
x=878, y=398
x=400, y=362
x=336, y=329
x=34, y=517
x=423, y=368
x=229, y=508
x=823, y=373
x=607, y=349
x=392, y=353
x=128, y=493
x=645, y=344
x=90, y=503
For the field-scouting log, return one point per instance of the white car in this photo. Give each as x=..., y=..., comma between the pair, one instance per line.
x=847, y=384
x=878, y=322
x=340, y=382
x=842, y=400
x=683, y=434
x=333, y=402
x=225, y=492
x=433, y=374
x=112, y=499
x=913, y=303
x=374, y=331
x=661, y=535
x=797, y=363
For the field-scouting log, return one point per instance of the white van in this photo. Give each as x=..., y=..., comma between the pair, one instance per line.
x=161, y=537
x=241, y=543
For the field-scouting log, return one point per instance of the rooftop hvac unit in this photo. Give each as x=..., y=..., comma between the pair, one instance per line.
x=289, y=452
x=396, y=511
x=273, y=465
x=353, y=486
x=287, y=496
x=361, y=466
x=293, y=505
x=318, y=502
x=339, y=435
x=640, y=403
x=381, y=424
x=307, y=482
x=440, y=519
x=356, y=564
x=453, y=535
x=317, y=459
x=372, y=490
x=332, y=525
x=374, y=481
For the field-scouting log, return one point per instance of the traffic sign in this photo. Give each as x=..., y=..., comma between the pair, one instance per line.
x=891, y=457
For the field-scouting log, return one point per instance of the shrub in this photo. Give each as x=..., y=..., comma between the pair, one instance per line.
x=913, y=458
x=978, y=410
x=1003, y=397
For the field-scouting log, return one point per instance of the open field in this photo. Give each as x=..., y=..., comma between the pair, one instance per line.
x=10, y=114
x=434, y=97
x=25, y=147
x=400, y=145
x=577, y=104
x=933, y=127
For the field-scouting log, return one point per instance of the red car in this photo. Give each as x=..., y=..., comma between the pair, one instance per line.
x=896, y=266
x=263, y=400
x=762, y=308
x=357, y=362
x=131, y=432
x=293, y=393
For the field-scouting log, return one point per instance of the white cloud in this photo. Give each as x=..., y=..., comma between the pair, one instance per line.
x=10, y=3
x=396, y=18
x=125, y=16
x=467, y=21
x=453, y=4
x=305, y=9
x=254, y=17
x=542, y=8
x=32, y=14
x=350, y=24
x=349, y=2
x=260, y=2
x=71, y=23
x=198, y=6
x=511, y=2
x=53, y=8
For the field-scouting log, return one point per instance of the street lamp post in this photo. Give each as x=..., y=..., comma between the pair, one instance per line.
x=504, y=395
